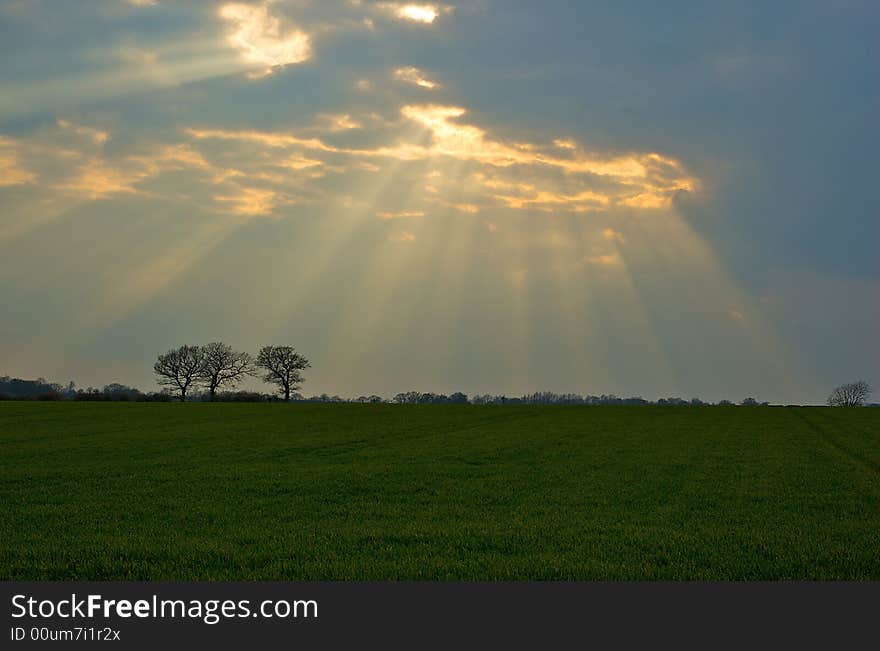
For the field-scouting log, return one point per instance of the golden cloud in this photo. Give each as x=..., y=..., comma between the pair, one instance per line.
x=95, y=135
x=606, y=260
x=469, y=169
x=414, y=76
x=335, y=123
x=253, y=202
x=98, y=178
x=268, y=138
x=11, y=170
x=260, y=39
x=589, y=181
x=404, y=214
x=419, y=13
x=613, y=235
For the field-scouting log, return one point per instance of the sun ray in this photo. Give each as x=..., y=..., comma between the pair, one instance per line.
x=166, y=67
x=32, y=214
x=126, y=292
x=343, y=233
x=520, y=322
x=367, y=308
x=679, y=255
x=451, y=235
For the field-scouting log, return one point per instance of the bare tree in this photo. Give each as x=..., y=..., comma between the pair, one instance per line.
x=223, y=366
x=853, y=394
x=282, y=366
x=180, y=368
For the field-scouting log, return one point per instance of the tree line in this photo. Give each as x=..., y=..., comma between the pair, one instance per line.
x=551, y=398
x=220, y=369
x=216, y=365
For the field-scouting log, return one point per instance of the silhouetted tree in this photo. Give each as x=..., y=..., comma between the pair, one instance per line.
x=223, y=366
x=853, y=394
x=180, y=368
x=120, y=392
x=370, y=399
x=282, y=366
x=17, y=388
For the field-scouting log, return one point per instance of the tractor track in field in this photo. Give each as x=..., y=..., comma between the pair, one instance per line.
x=834, y=443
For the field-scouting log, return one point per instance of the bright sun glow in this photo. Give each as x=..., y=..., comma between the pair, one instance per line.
x=260, y=39
x=418, y=13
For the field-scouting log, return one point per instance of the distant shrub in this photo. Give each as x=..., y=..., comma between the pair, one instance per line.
x=243, y=396
x=89, y=395
x=156, y=397
x=370, y=399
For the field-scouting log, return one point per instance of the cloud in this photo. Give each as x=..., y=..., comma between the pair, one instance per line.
x=257, y=172
x=253, y=186
x=416, y=77
x=253, y=202
x=577, y=181
x=613, y=235
x=470, y=142
x=404, y=237
x=268, y=138
x=606, y=260
x=298, y=163
x=532, y=197
x=95, y=135
x=419, y=13
x=260, y=39
x=98, y=178
x=405, y=214
x=335, y=123
x=11, y=170
x=646, y=200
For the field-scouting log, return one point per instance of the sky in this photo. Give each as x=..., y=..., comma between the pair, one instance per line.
x=497, y=196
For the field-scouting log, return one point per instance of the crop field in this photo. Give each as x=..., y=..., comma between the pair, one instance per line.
x=377, y=492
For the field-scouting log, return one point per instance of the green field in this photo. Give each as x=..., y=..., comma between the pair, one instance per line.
x=373, y=492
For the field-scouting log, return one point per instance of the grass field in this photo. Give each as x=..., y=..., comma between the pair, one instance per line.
x=372, y=492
